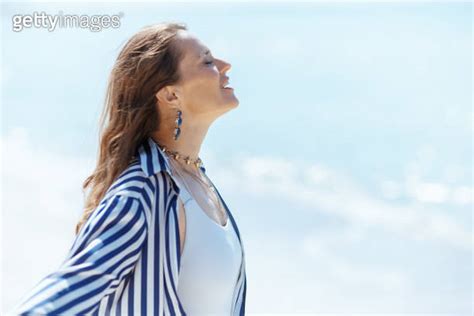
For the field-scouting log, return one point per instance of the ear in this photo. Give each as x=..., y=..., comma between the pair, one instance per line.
x=168, y=95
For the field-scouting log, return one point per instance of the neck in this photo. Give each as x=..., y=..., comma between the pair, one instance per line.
x=189, y=141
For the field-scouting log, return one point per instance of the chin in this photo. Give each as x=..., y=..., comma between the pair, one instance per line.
x=234, y=102
x=233, y=105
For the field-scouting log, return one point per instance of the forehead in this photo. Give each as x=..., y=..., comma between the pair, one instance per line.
x=191, y=46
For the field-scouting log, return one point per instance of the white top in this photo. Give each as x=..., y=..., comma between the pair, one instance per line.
x=210, y=262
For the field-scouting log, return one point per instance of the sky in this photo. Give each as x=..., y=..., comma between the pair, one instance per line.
x=347, y=164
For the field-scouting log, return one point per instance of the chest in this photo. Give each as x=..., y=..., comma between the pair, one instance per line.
x=210, y=263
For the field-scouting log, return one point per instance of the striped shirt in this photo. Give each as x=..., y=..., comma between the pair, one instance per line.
x=126, y=258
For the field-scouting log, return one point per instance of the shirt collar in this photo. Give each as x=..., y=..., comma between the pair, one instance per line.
x=153, y=159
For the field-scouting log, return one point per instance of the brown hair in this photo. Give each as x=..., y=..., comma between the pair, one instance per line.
x=148, y=61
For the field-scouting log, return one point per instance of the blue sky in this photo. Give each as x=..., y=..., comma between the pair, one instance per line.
x=347, y=165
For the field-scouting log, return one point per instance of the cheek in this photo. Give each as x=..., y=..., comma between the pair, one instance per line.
x=206, y=84
x=211, y=78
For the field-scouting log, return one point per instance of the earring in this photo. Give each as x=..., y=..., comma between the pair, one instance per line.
x=178, y=121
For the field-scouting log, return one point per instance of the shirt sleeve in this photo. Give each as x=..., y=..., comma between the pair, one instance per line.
x=103, y=254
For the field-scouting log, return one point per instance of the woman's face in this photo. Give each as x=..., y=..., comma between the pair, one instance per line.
x=203, y=76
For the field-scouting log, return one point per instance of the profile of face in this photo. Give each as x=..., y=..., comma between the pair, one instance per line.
x=200, y=91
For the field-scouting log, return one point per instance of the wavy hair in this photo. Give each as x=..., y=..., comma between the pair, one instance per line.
x=148, y=61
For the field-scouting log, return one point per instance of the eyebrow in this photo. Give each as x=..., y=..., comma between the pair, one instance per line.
x=206, y=52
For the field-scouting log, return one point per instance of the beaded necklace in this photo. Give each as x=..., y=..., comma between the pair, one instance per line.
x=198, y=163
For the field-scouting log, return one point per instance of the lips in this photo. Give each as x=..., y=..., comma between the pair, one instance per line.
x=223, y=85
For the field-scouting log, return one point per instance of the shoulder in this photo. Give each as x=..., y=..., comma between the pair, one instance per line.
x=134, y=182
x=130, y=182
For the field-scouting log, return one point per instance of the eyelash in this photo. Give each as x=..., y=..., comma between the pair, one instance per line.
x=209, y=62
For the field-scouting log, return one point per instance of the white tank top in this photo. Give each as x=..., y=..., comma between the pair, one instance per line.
x=210, y=262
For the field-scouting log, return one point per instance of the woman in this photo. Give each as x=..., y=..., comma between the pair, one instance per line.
x=156, y=238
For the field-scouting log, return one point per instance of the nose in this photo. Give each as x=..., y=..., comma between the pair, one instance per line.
x=225, y=66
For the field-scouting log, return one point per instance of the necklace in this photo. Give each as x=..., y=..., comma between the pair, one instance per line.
x=197, y=162
x=216, y=200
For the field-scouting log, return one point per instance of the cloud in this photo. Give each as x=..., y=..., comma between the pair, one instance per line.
x=337, y=194
x=320, y=247
x=42, y=201
x=435, y=192
x=330, y=262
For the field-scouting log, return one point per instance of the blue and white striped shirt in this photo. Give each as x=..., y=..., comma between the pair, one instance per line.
x=126, y=258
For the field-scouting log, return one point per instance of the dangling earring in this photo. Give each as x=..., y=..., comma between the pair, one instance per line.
x=178, y=121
